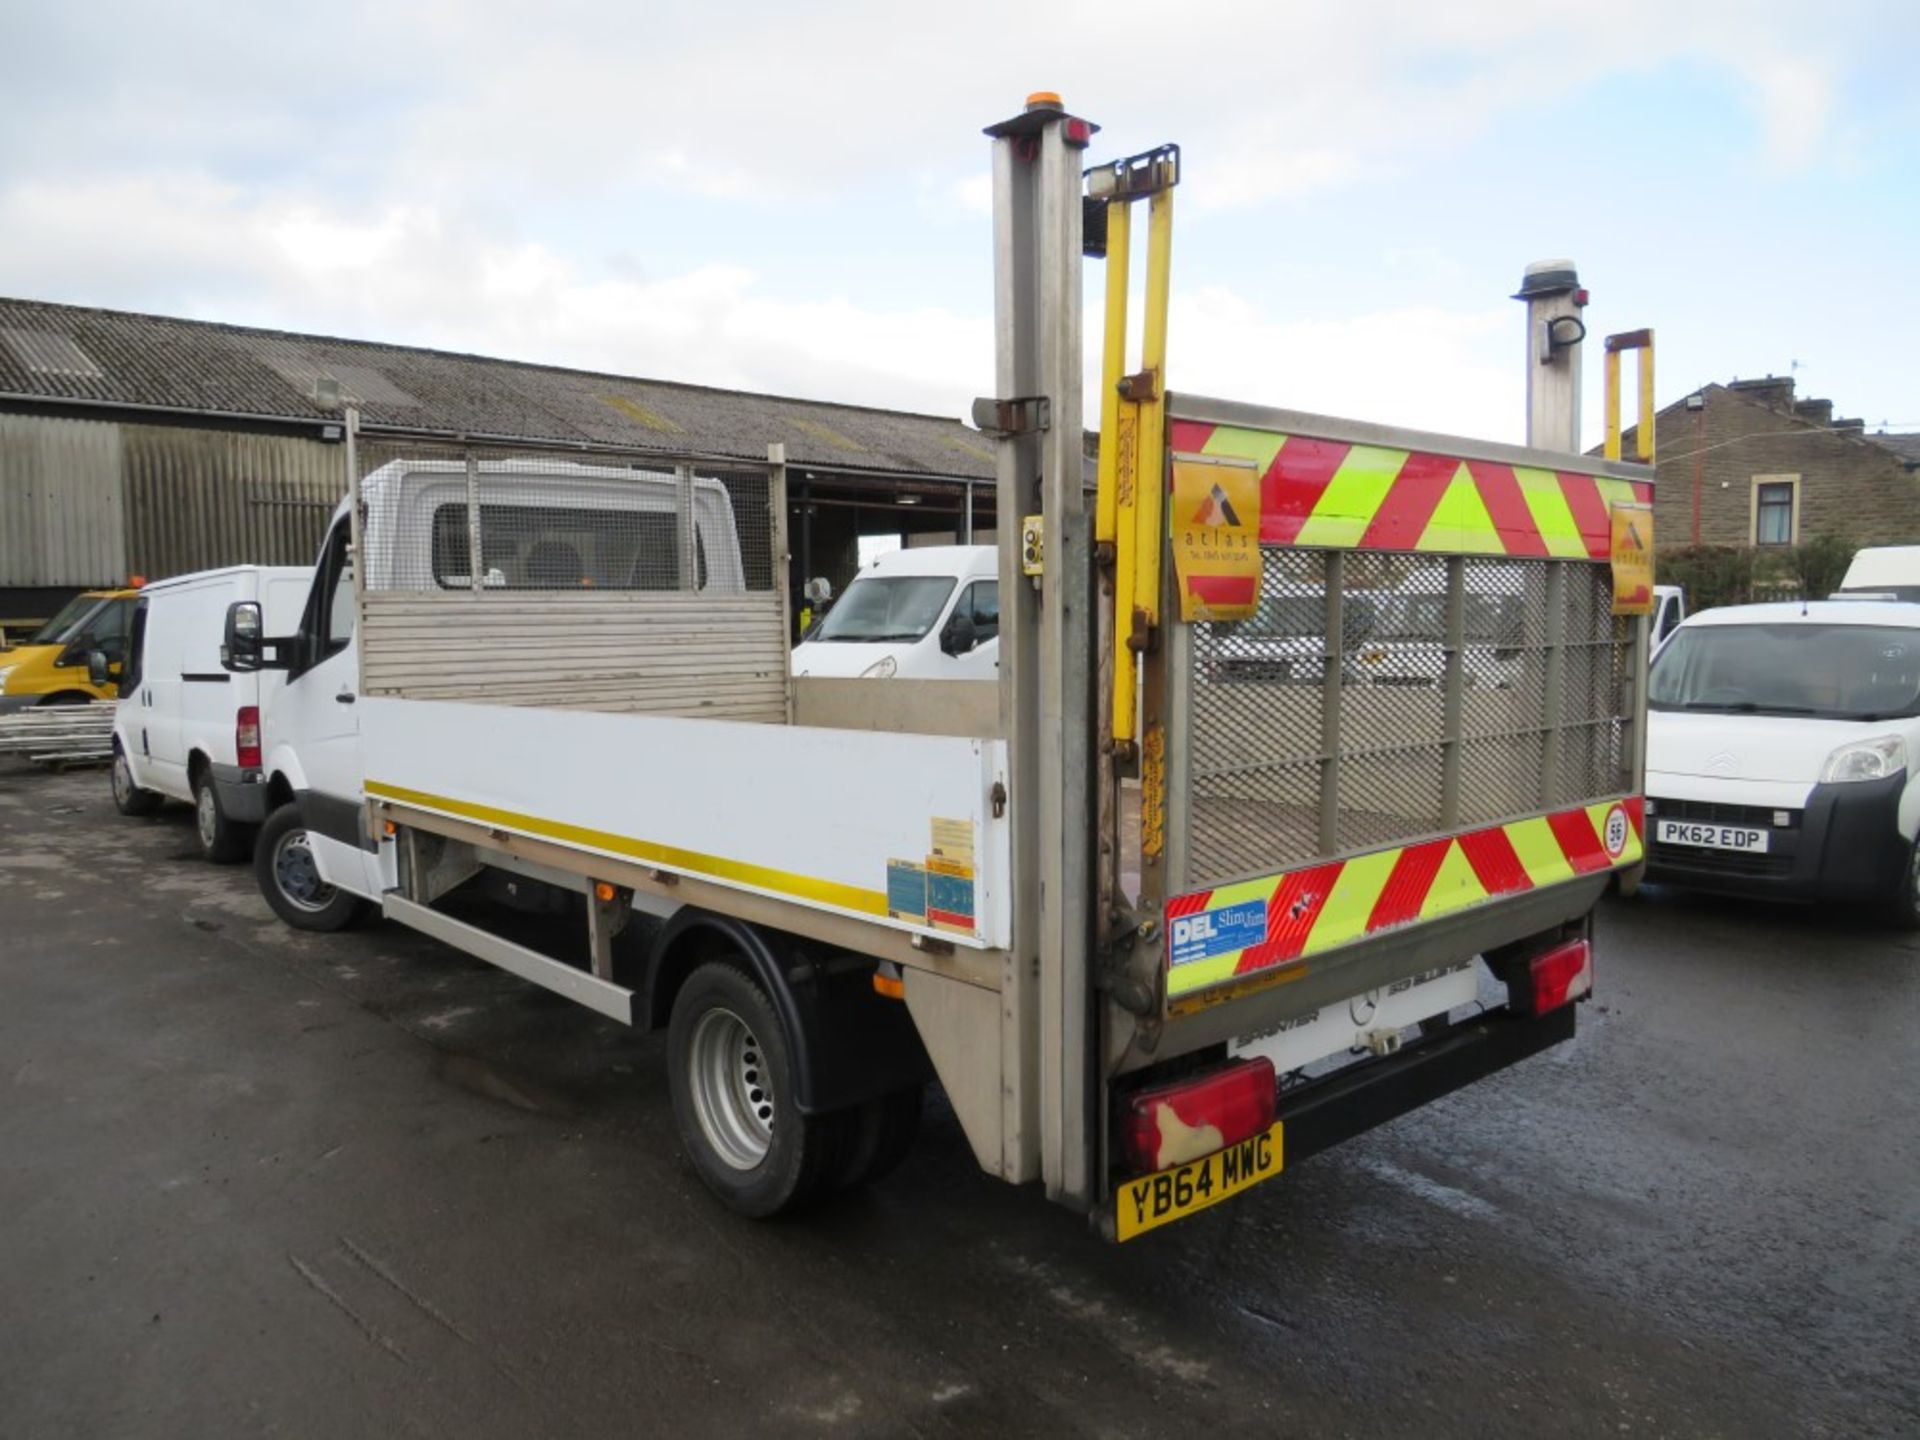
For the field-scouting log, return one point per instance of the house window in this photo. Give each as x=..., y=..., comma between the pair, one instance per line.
x=1776, y=509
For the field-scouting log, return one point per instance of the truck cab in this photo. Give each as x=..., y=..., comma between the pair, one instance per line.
x=50, y=667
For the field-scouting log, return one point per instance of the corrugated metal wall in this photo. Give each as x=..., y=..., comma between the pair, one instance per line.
x=89, y=502
x=61, y=512
x=196, y=499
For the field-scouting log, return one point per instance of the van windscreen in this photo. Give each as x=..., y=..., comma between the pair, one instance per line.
x=886, y=607
x=1830, y=672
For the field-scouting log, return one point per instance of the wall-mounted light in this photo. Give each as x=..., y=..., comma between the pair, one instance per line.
x=1696, y=401
x=906, y=499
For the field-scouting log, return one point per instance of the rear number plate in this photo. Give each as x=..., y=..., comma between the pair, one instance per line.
x=1712, y=837
x=1153, y=1200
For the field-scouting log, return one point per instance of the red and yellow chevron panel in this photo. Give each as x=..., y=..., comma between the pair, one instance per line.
x=1231, y=931
x=1342, y=496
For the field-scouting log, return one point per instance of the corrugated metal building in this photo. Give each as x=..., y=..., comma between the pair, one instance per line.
x=139, y=444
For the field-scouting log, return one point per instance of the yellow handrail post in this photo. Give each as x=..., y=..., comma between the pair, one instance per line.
x=1152, y=476
x=1113, y=360
x=1613, y=402
x=1646, y=436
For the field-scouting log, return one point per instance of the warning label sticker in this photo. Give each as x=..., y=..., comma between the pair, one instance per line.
x=1215, y=519
x=1216, y=932
x=907, y=891
x=1632, y=559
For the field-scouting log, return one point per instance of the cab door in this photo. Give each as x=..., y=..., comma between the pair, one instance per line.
x=314, y=721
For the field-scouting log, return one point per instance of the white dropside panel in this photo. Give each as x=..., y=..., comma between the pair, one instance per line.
x=897, y=829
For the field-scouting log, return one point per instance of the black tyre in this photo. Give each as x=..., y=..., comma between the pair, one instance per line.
x=221, y=840
x=881, y=1133
x=283, y=864
x=1903, y=906
x=731, y=1072
x=129, y=798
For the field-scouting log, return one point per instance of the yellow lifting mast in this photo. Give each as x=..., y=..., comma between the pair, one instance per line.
x=1130, y=509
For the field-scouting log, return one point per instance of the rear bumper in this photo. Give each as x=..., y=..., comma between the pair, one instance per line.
x=1844, y=845
x=1354, y=1099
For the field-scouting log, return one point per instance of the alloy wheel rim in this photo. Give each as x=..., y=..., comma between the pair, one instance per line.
x=206, y=815
x=732, y=1097
x=122, y=781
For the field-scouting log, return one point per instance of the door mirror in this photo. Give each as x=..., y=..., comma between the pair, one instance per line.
x=100, y=671
x=959, y=637
x=241, y=647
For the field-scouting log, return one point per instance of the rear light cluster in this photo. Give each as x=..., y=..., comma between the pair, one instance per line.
x=246, y=736
x=1561, y=975
x=1172, y=1124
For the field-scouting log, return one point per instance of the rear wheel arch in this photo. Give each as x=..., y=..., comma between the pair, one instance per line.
x=848, y=1044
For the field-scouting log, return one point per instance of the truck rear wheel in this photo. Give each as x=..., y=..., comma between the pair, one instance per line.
x=732, y=1077
x=283, y=864
x=129, y=798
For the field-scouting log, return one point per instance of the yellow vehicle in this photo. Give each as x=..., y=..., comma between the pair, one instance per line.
x=50, y=666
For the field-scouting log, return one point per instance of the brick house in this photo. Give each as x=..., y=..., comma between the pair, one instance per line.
x=1749, y=464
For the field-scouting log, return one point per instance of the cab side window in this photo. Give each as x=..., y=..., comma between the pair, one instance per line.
x=136, y=650
x=984, y=600
x=327, y=624
x=105, y=630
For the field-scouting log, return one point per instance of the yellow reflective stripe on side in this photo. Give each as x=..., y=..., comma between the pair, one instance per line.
x=1539, y=851
x=1353, y=497
x=1460, y=521
x=1343, y=918
x=1454, y=886
x=1615, y=492
x=1553, y=517
x=760, y=877
x=1259, y=446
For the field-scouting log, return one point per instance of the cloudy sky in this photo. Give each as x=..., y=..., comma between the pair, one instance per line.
x=793, y=197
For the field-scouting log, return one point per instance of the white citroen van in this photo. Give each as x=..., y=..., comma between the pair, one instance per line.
x=1780, y=753
x=927, y=614
x=186, y=729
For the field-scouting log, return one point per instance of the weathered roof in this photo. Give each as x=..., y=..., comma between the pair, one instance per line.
x=78, y=355
x=1907, y=447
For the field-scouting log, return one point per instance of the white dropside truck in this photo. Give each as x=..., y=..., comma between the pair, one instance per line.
x=1157, y=933
x=186, y=728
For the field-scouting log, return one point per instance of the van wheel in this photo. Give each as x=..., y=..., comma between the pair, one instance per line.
x=1903, y=906
x=731, y=1073
x=283, y=864
x=129, y=798
x=221, y=841
x=882, y=1132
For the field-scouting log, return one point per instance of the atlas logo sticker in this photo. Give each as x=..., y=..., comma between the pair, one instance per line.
x=1216, y=509
x=1218, y=932
x=1615, y=834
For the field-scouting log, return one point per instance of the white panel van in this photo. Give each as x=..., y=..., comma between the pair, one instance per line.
x=186, y=728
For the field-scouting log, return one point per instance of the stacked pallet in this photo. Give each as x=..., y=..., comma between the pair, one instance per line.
x=59, y=735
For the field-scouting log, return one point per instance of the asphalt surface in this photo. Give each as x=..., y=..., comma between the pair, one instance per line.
x=254, y=1182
